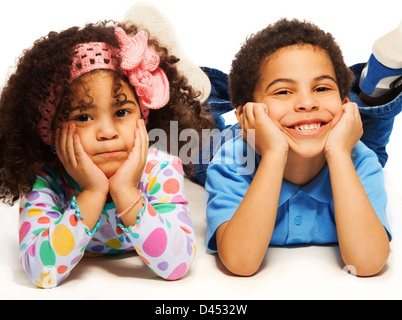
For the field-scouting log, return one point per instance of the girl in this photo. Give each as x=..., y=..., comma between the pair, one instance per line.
x=90, y=95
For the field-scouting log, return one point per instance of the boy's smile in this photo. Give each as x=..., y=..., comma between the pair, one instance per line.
x=298, y=84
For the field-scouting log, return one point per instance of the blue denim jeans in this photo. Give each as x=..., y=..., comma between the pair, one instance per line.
x=378, y=121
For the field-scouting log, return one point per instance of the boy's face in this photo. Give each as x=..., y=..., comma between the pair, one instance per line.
x=298, y=85
x=106, y=127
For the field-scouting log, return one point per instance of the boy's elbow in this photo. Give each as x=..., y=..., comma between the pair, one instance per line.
x=364, y=270
x=368, y=267
x=240, y=267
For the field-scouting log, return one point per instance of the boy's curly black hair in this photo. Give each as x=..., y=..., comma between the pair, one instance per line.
x=246, y=67
x=48, y=62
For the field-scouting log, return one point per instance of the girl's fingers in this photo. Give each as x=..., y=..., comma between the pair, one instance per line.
x=61, y=141
x=144, y=138
x=133, y=155
x=71, y=156
x=68, y=145
x=79, y=152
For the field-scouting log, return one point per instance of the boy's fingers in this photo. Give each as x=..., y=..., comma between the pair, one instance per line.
x=249, y=113
x=260, y=109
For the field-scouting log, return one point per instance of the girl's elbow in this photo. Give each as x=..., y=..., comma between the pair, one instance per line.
x=45, y=280
x=178, y=272
x=180, y=267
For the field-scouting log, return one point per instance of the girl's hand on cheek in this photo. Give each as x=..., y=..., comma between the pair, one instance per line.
x=130, y=172
x=260, y=131
x=347, y=131
x=77, y=162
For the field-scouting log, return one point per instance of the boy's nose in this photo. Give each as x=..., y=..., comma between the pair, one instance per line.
x=306, y=103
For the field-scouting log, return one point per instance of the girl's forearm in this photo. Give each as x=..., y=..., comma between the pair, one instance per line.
x=91, y=205
x=363, y=240
x=129, y=202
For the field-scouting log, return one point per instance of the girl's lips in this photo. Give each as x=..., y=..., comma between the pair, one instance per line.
x=110, y=154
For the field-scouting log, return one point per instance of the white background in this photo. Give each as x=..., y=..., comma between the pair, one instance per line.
x=211, y=32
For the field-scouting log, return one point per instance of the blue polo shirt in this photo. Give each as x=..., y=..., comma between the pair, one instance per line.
x=305, y=213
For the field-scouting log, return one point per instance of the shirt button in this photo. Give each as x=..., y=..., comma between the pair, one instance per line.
x=298, y=220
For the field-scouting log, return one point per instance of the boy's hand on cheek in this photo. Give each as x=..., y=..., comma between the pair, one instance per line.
x=260, y=131
x=347, y=131
x=130, y=172
x=77, y=162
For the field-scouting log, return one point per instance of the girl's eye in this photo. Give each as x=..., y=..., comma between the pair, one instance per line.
x=282, y=92
x=82, y=118
x=122, y=113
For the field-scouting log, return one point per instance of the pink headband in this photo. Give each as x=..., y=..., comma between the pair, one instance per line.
x=139, y=62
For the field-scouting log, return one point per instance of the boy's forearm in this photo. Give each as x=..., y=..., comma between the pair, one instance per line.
x=243, y=241
x=362, y=238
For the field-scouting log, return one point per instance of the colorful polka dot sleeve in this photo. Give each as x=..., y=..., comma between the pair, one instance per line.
x=53, y=238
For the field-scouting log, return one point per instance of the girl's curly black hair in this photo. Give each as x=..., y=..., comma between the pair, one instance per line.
x=246, y=67
x=48, y=62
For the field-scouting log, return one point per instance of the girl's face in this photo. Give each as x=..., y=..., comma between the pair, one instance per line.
x=106, y=125
x=298, y=84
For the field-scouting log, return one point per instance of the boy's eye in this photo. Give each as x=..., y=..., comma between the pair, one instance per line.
x=322, y=89
x=122, y=113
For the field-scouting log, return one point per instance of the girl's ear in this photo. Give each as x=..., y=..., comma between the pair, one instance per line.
x=346, y=100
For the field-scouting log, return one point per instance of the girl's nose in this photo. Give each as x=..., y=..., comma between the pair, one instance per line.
x=107, y=130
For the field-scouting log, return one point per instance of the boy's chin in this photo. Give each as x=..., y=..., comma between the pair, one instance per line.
x=308, y=152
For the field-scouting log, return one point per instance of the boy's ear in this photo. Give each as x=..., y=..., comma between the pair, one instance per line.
x=346, y=100
x=239, y=112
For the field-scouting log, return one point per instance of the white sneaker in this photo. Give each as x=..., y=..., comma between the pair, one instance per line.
x=388, y=49
x=152, y=19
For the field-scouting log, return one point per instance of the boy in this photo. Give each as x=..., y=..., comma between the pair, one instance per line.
x=312, y=182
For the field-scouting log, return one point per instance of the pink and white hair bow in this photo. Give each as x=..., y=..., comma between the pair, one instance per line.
x=140, y=63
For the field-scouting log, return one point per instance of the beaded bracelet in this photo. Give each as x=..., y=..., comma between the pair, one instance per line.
x=119, y=215
x=77, y=214
x=139, y=213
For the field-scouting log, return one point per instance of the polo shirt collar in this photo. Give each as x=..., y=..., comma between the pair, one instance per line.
x=319, y=188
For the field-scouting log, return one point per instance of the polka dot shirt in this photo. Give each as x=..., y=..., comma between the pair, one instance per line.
x=53, y=238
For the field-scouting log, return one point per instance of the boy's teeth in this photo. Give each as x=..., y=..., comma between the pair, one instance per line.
x=308, y=127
